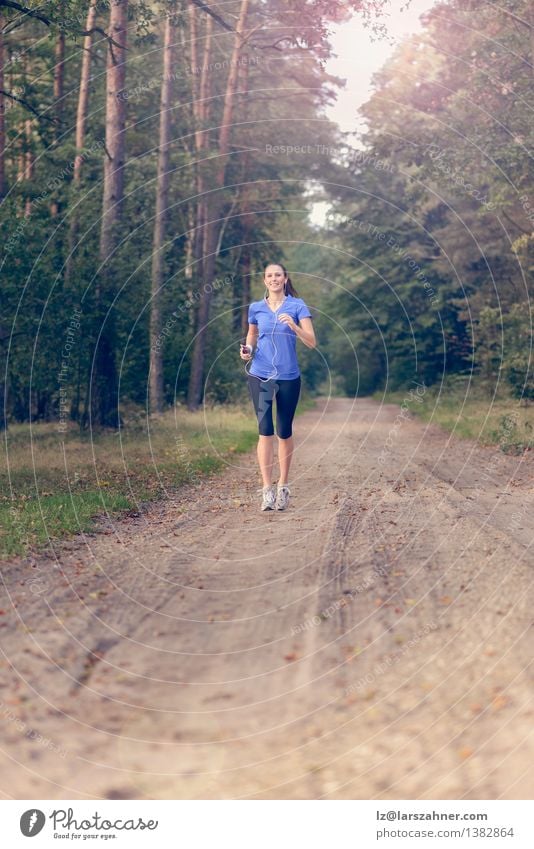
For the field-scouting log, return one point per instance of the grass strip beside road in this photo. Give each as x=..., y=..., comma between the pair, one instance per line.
x=501, y=421
x=55, y=484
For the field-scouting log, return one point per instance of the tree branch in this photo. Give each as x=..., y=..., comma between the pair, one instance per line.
x=30, y=13
x=205, y=8
x=26, y=105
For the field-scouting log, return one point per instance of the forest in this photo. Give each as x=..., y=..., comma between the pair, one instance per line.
x=155, y=156
x=201, y=604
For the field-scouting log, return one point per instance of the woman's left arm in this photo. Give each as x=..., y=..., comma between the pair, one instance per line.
x=304, y=329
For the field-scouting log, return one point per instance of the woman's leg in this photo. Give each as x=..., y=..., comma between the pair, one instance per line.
x=265, y=453
x=285, y=453
x=287, y=398
x=262, y=393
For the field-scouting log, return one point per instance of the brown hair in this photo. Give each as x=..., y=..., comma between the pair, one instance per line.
x=288, y=286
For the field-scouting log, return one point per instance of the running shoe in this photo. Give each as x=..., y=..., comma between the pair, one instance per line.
x=282, y=497
x=269, y=498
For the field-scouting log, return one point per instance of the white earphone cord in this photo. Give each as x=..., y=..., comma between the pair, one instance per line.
x=272, y=377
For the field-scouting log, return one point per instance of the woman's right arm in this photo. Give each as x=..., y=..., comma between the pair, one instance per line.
x=252, y=339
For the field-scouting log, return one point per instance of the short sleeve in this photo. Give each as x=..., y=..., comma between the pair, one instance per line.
x=252, y=314
x=302, y=310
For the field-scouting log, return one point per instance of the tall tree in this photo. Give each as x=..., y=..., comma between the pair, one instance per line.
x=2, y=193
x=160, y=220
x=59, y=79
x=104, y=400
x=2, y=114
x=81, y=119
x=29, y=164
x=212, y=227
x=201, y=91
x=59, y=87
x=242, y=289
x=83, y=94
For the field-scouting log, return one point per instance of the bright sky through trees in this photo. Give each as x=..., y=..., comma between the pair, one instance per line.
x=360, y=54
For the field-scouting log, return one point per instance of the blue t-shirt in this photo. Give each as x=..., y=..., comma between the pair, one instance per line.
x=276, y=353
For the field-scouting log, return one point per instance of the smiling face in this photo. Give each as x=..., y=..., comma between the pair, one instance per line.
x=275, y=279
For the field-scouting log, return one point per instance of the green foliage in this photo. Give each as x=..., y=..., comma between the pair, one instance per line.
x=51, y=271
x=425, y=270
x=520, y=376
x=75, y=476
x=435, y=214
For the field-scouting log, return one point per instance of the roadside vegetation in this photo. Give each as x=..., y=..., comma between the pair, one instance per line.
x=55, y=484
x=469, y=412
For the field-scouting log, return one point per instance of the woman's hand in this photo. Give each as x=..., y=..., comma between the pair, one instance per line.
x=251, y=341
x=286, y=319
x=304, y=329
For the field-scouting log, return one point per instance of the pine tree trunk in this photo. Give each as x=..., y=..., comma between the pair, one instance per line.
x=192, y=207
x=193, y=47
x=83, y=96
x=2, y=124
x=59, y=78
x=3, y=419
x=104, y=399
x=201, y=92
x=195, y=389
x=81, y=117
x=241, y=314
x=115, y=130
x=162, y=202
x=28, y=163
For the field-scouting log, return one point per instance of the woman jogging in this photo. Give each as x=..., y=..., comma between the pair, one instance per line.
x=274, y=323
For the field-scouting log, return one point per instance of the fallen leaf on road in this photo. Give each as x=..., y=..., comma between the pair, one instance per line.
x=466, y=752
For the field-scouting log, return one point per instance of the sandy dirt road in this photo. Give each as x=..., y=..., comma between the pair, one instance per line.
x=374, y=641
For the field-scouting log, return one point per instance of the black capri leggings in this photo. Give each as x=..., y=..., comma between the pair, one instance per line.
x=263, y=393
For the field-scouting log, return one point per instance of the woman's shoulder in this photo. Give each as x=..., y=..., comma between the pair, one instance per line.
x=256, y=304
x=298, y=302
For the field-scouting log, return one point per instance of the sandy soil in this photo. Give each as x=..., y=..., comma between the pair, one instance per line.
x=374, y=641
